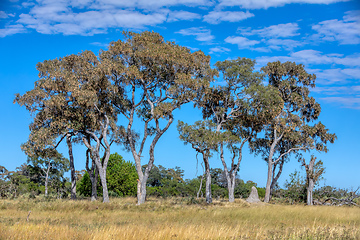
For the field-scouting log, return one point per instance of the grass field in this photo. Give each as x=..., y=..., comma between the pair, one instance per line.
x=173, y=219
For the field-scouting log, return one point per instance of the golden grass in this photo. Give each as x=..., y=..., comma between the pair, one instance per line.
x=173, y=219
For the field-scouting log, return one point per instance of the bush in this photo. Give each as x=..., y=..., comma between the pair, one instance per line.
x=121, y=178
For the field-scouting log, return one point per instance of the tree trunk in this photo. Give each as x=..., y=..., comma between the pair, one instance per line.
x=201, y=181
x=270, y=170
x=208, y=181
x=268, y=182
x=46, y=186
x=310, y=189
x=231, y=187
x=142, y=197
x=72, y=167
x=93, y=174
x=102, y=174
x=277, y=176
x=47, y=179
x=228, y=174
x=93, y=178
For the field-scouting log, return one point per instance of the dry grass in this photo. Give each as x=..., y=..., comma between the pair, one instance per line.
x=173, y=219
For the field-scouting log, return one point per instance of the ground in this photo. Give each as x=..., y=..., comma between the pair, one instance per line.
x=175, y=218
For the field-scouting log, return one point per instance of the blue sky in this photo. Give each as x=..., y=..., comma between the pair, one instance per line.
x=324, y=35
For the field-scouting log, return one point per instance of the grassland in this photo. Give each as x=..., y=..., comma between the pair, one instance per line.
x=173, y=219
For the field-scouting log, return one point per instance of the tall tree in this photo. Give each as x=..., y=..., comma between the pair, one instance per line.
x=72, y=98
x=313, y=172
x=290, y=131
x=154, y=77
x=239, y=107
x=51, y=163
x=203, y=139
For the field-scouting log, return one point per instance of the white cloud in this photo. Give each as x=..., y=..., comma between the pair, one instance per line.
x=287, y=44
x=89, y=17
x=264, y=4
x=275, y=37
x=201, y=34
x=11, y=30
x=338, y=90
x=242, y=42
x=146, y=4
x=274, y=31
x=216, y=17
x=219, y=50
x=337, y=75
x=87, y=23
x=99, y=44
x=346, y=102
x=3, y=15
x=182, y=15
x=313, y=57
x=346, y=31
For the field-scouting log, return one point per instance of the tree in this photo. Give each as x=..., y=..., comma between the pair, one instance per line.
x=4, y=182
x=203, y=139
x=121, y=178
x=84, y=186
x=72, y=100
x=289, y=131
x=295, y=187
x=153, y=78
x=239, y=108
x=52, y=165
x=313, y=172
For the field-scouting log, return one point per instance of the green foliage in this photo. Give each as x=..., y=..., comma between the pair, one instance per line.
x=164, y=182
x=83, y=187
x=27, y=181
x=296, y=187
x=261, y=192
x=243, y=189
x=121, y=177
x=201, y=135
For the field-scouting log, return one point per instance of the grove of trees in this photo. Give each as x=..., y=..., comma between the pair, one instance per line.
x=126, y=95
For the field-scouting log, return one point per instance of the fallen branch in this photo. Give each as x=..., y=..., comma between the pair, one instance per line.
x=27, y=219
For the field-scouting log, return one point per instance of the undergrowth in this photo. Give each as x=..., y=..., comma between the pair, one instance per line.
x=173, y=218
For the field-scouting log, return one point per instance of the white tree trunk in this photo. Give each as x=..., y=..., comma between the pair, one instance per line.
x=72, y=167
x=208, y=181
x=268, y=182
x=47, y=179
x=231, y=187
x=310, y=189
x=93, y=179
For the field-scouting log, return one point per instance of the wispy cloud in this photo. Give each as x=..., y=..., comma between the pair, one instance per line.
x=53, y=20
x=275, y=31
x=201, y=34
x=275, y=37
x=89, y=17
x=313, y=57
x=346, y=102
x=346, y=31
x=3, y=15
x=287, y=44
x=335, y=76
x=148, y=4
x=12, y=29
x=242, y=42
x=219, y=50
x=338, y=90
x=182, y=15
x=216, y=17
x=265, y=4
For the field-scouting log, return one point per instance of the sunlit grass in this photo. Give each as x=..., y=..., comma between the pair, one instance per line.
x=173, y=219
